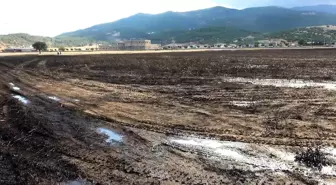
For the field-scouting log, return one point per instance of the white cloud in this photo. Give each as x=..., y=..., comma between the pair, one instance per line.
x=51, y=18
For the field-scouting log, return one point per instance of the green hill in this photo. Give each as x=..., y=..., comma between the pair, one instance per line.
x=319, y=33
x=202, y=35
x=25, y=40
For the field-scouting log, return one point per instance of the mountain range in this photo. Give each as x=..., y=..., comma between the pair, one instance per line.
x=206, y=25
x=318, y=8
x=259, y=19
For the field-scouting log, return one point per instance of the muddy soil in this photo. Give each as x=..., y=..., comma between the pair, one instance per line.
x=228, y=117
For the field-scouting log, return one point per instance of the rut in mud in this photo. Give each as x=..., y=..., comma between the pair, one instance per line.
x=229, y=117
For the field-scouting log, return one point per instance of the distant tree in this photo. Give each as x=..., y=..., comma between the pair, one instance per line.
x=302, y=42
x=40, y=46
x=61, y=48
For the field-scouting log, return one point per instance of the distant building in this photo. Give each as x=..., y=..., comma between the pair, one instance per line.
x=273, y=42
x=232, y=46
x=193, y=46
x=92, y=47
x=294, y=44
x=138, y=45
x=110, y=47
x=220, y=45
x=155, y=47
x=123, y=45
x=175, y=46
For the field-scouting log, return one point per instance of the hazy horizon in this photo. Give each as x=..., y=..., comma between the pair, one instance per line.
x=64, y=16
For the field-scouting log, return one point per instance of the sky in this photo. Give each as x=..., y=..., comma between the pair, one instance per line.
x=51, y=18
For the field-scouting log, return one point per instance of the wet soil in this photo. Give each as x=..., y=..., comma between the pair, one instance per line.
x=153, y=100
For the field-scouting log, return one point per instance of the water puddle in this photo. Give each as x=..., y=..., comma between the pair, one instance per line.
x=253, y=157
x=16, y=88
x=257, y=66
x=328, y=170
x=54, y=98
x=22, y=99
x=330, y=151
x=242, y=103
x=13, y=87
x=241, y=153
x=295, y=83
x=77, y=182
x=112, y=136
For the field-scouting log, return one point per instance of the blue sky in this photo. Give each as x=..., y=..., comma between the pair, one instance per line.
x=24, y=16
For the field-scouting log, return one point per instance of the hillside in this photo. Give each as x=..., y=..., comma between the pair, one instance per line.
x=202, y=35
x=211, y=35
x=25, y=40
x=22, y=39
x=318, y=8
x=260, y=19
x=319, y=33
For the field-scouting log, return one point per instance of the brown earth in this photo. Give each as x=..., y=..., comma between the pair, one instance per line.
x=150, y=97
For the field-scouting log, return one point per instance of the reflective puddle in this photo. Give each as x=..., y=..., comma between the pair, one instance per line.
x=22, y=99
x=77, y=182
x=254, y=157
x=13, y=87
x=294, y=83
x=243, y=103
x=112, y=136
x=54, y=98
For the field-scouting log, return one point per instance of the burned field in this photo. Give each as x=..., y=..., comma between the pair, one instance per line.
x=225, y=117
